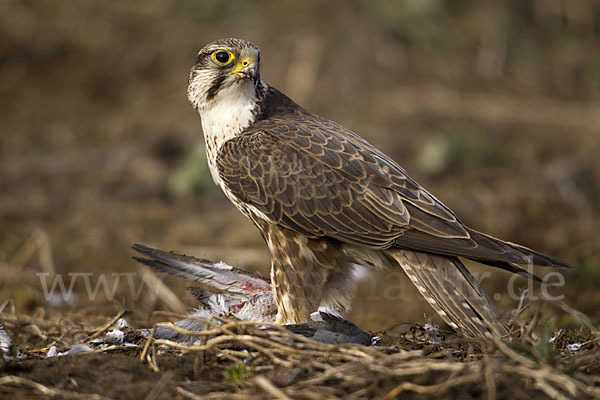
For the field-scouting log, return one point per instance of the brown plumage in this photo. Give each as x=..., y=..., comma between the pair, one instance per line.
x=325, y=199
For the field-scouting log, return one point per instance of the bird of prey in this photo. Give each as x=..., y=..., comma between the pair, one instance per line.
x=325, y=200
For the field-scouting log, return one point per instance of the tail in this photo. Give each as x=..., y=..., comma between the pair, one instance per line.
x=482, y=248
x=452, y=292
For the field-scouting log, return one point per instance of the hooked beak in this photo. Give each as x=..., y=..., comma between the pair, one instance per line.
x=246, y=69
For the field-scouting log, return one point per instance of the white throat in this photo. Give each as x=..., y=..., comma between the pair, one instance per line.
x=226, y=116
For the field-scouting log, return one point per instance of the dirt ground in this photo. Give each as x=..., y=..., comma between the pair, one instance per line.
x=493, y=107
x=408, y=361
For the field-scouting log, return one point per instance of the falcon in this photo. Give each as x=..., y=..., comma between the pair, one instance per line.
x=326, y=200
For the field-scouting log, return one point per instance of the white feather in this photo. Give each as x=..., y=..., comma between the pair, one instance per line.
x=226, y=116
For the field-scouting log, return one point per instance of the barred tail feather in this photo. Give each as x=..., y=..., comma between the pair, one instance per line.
x=452, y=292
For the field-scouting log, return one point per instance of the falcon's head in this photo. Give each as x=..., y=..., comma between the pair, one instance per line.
x=224, y=68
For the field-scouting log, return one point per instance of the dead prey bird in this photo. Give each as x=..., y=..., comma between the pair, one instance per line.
x=324, y=199
x=226, y=290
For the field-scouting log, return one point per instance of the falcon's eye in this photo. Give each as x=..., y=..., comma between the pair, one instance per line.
x=222, y=57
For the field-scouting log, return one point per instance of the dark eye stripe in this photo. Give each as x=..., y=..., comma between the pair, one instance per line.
x=200, y=59
x=214, y=87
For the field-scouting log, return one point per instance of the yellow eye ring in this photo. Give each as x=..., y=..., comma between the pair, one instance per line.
x=222, y=57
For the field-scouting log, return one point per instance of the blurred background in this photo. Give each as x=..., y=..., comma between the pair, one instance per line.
x=492, y=106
